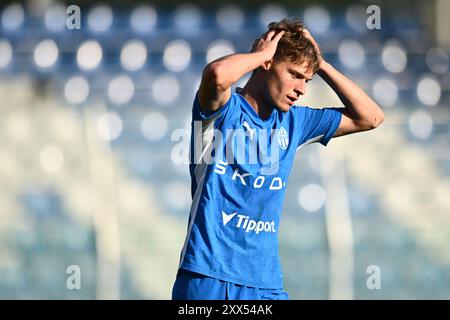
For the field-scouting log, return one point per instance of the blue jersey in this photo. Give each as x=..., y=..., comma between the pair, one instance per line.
x=238, y=188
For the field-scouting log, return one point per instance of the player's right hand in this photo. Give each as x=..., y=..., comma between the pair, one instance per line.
x=267, y=44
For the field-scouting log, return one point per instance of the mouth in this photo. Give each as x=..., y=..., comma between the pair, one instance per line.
x=291, y=99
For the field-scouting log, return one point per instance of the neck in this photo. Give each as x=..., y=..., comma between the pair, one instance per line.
x=253, y=93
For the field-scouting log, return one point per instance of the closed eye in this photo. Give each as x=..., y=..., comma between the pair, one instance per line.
x=296, y=75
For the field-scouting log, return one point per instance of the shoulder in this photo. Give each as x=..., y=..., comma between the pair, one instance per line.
x=224, y=115
x=310, y=111
x=297, y=110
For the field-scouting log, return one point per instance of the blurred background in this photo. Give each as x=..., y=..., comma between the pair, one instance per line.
x=87, y=172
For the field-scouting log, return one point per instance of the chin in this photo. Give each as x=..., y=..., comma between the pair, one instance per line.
x=284, y=107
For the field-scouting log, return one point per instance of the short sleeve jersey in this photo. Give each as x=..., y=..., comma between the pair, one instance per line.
x=239, y=167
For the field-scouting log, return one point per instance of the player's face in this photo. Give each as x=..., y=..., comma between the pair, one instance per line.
x=285, y=82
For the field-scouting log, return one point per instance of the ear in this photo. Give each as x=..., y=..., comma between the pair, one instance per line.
x=267, y=64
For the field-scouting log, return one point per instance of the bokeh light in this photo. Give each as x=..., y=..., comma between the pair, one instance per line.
x=420, y=124
x=177, y=55
x=55, y=18
x=385, y=92
x=317, y=19
x=394, y=56
x=166, y=89
x=46, y=53
x=12, y=17
x=154, y=126
x=429, y=90
x=218, y=49
x=6, y=53
x=230, y=18
x=311, y=197
x=356, y=17
x=89, y=55
x=76, y=90
x=437, y=60
x=270, y=13
x=121, y=90
x=351, y=54
x=133, y=55
x=100, y=18
x=109, y=126
x=143, y=18
x=187, y=18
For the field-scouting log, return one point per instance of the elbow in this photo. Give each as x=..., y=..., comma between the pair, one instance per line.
x=214, y=74
x=370, y=121
x=374, y=118
x=378, y=119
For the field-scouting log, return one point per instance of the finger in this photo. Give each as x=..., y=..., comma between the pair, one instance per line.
x=257, y=44
x=307, y=34
x=279, y=35
x=264, y=35
x=270, y=35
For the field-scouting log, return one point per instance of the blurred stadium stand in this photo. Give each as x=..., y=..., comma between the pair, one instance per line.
x=86, y=151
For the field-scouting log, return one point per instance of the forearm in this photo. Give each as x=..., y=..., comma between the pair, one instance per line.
x=219, y=75
x=228, y=70
x=359, y=106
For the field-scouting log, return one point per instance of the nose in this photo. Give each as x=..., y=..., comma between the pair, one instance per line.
x=300, y=88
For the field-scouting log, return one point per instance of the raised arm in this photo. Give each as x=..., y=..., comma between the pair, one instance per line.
x=361, y=113
x=219, y=75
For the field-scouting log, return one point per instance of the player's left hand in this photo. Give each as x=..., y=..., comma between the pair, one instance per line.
x=308, y=36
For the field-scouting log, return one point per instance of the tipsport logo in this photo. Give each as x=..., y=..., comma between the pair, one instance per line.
x=247, y=224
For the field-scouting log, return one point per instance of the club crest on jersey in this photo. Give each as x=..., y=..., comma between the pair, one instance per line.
x=283, y=138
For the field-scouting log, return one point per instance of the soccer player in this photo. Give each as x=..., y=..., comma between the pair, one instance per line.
x=231, y=246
